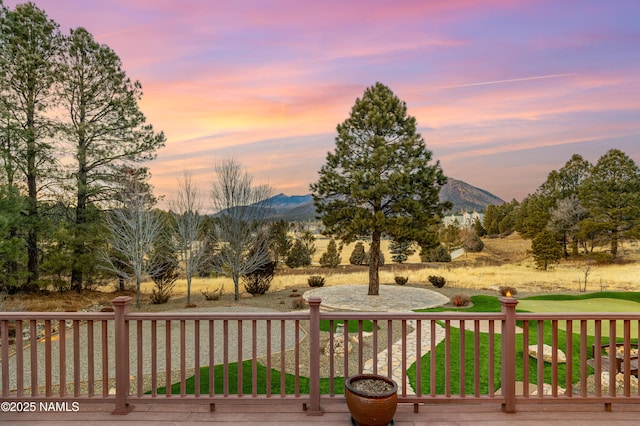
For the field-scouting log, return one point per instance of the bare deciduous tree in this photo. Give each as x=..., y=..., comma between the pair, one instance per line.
x=240, y=229
x=188, y=228
x=133, y=228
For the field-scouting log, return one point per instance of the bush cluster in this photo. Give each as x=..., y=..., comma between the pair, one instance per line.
x=459, y=300
x=315, y=281
x=437, y=281
x=258, y=282
x=401, y=280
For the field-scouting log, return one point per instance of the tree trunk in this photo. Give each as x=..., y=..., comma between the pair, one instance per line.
x=614, y=244
x=79, y=233
x=374, y=263
x=236, y=286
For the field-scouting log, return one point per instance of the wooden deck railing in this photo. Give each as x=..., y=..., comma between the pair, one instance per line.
x=124, y=358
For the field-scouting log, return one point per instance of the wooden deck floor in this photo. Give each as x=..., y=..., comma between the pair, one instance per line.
x=334, y=414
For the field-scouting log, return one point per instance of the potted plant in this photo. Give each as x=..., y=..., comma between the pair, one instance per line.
x=372, y=399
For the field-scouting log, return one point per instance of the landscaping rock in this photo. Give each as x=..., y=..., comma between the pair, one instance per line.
x=547, y=354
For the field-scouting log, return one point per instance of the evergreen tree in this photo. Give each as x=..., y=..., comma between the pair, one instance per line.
x=400, y=251
x=478, y=228
x=104, y=127
x=29, y=53
x=611, y=194
x=298, y=255
x=380, y=178
x=358, y=254
x=546, y=249
x=331, y=258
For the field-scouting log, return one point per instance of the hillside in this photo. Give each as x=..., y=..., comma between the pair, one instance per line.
x=467, y=197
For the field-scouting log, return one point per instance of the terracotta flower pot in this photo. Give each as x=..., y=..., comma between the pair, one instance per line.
x=371, y=409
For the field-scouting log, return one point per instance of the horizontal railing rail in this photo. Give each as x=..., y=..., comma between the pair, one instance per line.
x=303, y=357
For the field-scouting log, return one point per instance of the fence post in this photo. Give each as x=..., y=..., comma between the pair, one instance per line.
x=314, y=357
x=509, y=354
x=121, y=309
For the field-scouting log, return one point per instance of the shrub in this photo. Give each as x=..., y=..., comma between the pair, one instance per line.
x=331, y=258
x=506, y=290
x=358, y=254
x=437, y=281
x=315, y=281
x=460, y=300
x=297, y=303
x=436, y=254
x=212, y=295
x=473, y=244
x=259, y=281
x=163, y=265
x=401, y=280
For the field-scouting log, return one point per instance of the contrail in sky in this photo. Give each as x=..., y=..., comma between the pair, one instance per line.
x=484, y=83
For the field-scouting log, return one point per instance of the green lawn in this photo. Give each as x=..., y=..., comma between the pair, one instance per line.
x=613, y=302
x=247, y=381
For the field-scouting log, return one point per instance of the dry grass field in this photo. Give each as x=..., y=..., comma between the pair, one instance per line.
x=504, y=261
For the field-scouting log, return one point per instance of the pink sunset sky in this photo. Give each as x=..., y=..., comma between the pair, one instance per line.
x=503, y=91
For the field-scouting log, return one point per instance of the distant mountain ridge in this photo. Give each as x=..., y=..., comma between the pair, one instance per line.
x=464, y=197
x=467, y=197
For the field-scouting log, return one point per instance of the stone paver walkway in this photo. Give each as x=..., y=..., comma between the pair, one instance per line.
x=390, y=299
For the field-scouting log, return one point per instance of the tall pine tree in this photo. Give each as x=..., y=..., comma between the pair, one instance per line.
x=380, y=179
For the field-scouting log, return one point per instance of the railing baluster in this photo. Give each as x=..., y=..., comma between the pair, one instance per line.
x=345, y=358
x=613, y=367
x=4, y=333
x=282, y=351
x=360, y=348
x=461, y=359
x=33, y=346
x=627, y=360
x=432, y=359
x=167, y=357
x=331, y=358
x=91, y=375
x=583, y=358
x=389, y=348
x=240, y=381
x=47, y=358
x=62, y=358
x=154, y=358
x=297, y=357
x=212, y=363
x=492, y=360
x=254, y=356
x=225, y=357
x=540, y=363
x=19, y=359
x=554, y=357
x=569, y=355
x=76, y=357
x=404, y=357
x=196, y=361
x=105, y=358
x=183, y=358
x=476, y=358
x=268, y=381
x=447, y=358
x=375, y=346
x=418, y=357
x=140, y=345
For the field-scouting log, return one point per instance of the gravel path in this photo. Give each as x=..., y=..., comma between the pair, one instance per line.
x=218, y=353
